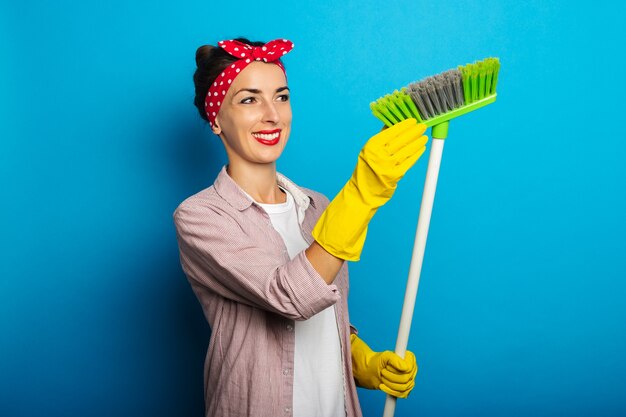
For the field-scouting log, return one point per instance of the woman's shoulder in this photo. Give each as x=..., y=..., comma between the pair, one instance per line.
x=206, y=202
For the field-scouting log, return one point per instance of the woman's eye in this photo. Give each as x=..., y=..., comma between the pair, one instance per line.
x=283, y=97
x=247, y=100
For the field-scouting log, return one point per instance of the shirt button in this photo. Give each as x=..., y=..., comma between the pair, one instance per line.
x=287, y=409
x=289, y=327
x=285, y=371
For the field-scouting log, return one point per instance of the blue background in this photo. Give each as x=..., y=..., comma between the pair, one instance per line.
x=521, y=304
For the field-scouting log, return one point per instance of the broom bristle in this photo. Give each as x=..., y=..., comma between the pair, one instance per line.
x=439, y=94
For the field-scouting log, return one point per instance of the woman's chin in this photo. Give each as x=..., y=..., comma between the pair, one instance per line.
x=271, y=154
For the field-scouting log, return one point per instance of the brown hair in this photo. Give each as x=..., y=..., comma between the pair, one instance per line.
x=210, y=62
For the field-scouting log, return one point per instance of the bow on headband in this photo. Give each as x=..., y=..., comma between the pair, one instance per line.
x=270, y=52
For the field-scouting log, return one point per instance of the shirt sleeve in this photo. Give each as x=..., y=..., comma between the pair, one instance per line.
x=218, y=254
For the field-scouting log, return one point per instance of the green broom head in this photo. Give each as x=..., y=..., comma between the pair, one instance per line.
x=437, y=99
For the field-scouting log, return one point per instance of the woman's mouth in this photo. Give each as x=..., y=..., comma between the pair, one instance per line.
x=267, y=137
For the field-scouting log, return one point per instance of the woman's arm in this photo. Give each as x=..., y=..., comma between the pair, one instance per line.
x=219, y=255
x=383, y=161
x=325, y=264
x=342, y=227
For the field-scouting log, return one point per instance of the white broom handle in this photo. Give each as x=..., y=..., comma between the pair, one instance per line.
x=426, y=208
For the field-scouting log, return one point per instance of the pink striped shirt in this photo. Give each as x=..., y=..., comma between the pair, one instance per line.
x=251, y=293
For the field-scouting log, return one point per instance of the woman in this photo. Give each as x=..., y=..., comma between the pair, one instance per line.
x=266, y=257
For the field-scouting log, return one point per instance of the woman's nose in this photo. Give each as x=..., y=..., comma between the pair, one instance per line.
x=270, y=113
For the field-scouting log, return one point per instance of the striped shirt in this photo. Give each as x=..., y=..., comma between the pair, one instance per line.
x=251, y=293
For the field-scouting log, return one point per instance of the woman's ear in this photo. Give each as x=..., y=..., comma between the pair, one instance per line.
x=216, y=127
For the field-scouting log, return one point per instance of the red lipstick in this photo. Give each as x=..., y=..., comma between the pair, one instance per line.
x=267, y=137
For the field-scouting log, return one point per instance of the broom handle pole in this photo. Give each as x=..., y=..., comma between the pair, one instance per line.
x=426, y=208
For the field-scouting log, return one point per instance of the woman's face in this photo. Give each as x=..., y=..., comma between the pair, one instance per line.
x=254, y=120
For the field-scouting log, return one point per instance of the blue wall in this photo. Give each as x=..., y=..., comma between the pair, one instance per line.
x=521, y=306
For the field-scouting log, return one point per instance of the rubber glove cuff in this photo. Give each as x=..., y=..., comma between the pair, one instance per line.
x=342, y=227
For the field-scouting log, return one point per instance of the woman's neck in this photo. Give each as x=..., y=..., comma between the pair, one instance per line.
x=259, y=181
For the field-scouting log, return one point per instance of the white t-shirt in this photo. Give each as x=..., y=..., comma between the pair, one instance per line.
x=318, y=389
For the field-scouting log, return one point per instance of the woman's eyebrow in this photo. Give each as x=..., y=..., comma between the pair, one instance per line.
x=251, y=90
x=257, y=91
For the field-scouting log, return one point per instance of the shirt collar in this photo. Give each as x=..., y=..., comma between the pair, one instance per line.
x=230, y=191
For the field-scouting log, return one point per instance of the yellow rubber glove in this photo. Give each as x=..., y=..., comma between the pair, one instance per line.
x=383, y=161
x=385, y=371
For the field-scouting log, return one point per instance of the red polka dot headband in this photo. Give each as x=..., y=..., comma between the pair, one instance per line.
x=270, y=52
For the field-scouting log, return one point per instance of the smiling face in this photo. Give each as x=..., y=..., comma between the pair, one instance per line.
x=254, y=120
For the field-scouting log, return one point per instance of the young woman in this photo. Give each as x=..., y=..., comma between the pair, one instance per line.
x=266, y=257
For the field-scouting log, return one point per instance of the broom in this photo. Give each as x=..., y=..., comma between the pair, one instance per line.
x=433, y=101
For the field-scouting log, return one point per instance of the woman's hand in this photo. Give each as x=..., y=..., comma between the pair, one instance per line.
x=382, y=162
x=385, y=371
x=386, y=157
